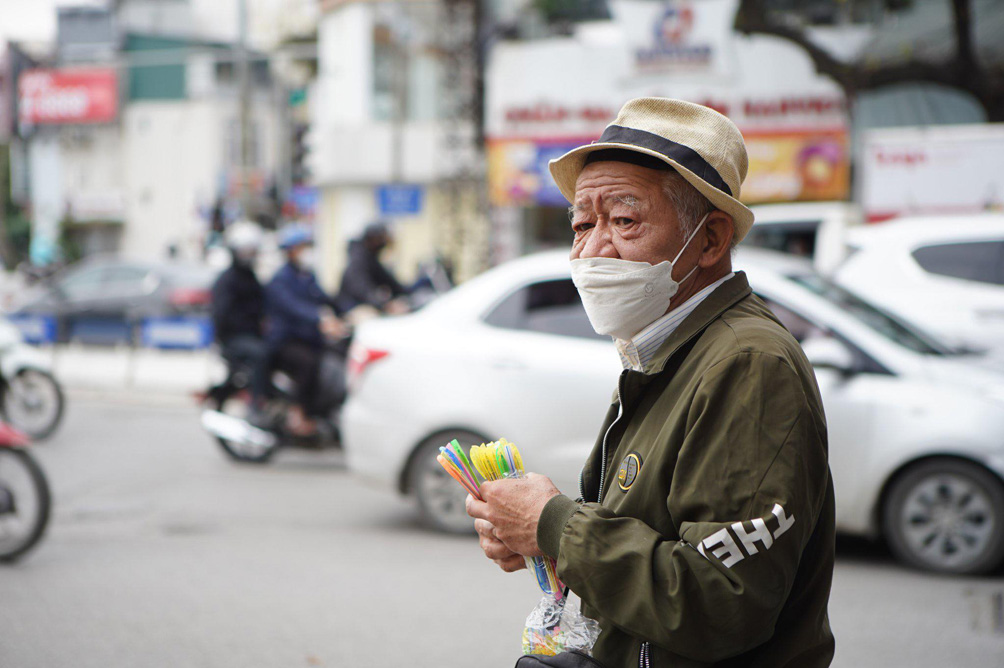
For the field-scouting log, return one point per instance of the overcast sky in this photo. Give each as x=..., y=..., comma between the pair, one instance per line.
x=35, y=20
x=32, y=20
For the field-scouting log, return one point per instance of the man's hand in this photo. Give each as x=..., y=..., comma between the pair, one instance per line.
x=398, y=306
x=332, y=327
x=511, y=508
x=495, y=549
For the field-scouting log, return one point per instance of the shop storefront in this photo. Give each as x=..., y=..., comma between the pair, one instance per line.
x=548, y=96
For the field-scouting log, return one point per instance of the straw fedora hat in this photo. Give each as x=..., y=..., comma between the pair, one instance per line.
x=705, y=147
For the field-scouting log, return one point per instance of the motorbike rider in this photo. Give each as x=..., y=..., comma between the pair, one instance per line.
x=238, y=307
x=367, y=285
x=300, y=315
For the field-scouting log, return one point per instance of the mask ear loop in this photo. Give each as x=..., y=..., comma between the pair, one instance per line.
x=687, y=243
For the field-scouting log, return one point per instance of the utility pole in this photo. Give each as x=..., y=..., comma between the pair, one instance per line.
x=6, y=253
x=244, y=112
x=461, y=39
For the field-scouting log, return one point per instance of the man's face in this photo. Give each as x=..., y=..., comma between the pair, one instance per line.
x=297, y=252
x=247, y=256
x=621, y=211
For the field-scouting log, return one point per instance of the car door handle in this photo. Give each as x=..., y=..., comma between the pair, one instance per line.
x=508, y=364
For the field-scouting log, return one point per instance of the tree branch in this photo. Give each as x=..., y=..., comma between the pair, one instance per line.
x=960, y=71
x=752, y=18
x=963, y=23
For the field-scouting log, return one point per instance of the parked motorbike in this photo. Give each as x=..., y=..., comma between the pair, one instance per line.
x=228, y=415
x=31, y=399
x=25, y=499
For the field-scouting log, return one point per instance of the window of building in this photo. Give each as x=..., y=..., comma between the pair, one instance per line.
x=386, y=88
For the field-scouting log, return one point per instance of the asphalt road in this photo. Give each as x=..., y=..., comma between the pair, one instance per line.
x=163, y=553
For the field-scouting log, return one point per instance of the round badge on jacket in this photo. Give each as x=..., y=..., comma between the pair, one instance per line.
x=628, y=471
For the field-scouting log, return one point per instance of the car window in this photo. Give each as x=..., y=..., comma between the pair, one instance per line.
x=82, y=284
x=128, y=281
x=883, y=323
x=979, y=261
x=799, y=327
x=795, y=237
x=548, y=307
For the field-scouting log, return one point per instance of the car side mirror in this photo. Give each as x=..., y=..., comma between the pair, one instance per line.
x=827, y=352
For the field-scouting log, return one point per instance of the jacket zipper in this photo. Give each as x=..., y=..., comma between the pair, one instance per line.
x=603, y=461
x=643, y=656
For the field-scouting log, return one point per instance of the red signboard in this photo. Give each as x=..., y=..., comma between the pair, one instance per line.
x=58, y=97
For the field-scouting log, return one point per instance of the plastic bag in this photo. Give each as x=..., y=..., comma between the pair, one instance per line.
x=556, y=626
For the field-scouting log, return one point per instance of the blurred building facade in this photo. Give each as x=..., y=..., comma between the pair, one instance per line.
x=393, y=124
x=547, y=95
x=130, y=133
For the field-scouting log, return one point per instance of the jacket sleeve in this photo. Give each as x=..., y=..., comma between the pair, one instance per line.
x=289, y=303
x=357, y=286
x=745, y=494
x=322, y=298
x=222, y=304
x=381, y=276
x=363, y=279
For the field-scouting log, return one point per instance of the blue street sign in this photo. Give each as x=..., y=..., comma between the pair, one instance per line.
x=399, y=200
x=305, y=199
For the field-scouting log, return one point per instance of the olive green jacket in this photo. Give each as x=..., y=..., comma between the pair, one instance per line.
x=706, y=536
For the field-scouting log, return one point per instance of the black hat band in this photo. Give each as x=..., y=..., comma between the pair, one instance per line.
x=679, y=153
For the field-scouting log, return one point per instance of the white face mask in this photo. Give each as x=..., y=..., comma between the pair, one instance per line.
x=307, y=259
x=623, y=297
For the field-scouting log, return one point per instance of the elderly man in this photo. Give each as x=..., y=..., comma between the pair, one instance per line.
x=705, y=531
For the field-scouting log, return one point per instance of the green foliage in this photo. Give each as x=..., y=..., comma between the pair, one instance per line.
x=18, y=234
x=16, y=225
x=69, y=248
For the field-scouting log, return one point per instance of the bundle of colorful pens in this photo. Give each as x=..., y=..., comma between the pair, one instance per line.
x=495, y=461
x=552, y=626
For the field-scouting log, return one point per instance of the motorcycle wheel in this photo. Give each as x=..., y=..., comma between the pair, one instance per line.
x=238, y=404
x=33, y=403
x=25, y=502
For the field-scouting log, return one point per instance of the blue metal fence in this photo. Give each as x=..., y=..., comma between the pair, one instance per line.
x=174, y=333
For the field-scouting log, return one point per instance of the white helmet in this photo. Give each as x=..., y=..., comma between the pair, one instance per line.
x=243, y=236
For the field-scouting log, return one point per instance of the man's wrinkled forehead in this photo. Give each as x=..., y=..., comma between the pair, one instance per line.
x=607, y=184
x=585, y=204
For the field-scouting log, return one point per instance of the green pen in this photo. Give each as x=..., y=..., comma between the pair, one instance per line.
x=463, y=457
x=501, y=463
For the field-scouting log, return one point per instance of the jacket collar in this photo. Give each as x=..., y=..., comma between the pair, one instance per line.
x=722, y=299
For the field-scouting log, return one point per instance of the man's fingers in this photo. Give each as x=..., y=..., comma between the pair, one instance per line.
x=511, y=564
x=484, y=528
x=495, y=549
x=476, y=509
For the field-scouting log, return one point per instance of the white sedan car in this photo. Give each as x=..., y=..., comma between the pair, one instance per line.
x=944, y=274
x=916, y=432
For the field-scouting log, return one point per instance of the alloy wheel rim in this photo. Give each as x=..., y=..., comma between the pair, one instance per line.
x=444, y=497
x=948, y=520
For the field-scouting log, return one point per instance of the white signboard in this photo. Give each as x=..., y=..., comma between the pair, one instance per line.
x=941, y=169
x=678, y=37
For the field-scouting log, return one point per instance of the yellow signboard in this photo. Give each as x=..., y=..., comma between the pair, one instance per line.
x=797, y=166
